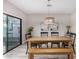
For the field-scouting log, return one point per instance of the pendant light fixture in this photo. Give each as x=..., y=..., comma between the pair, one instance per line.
x=49, y=19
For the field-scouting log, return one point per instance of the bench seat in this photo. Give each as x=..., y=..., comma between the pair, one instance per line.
x=49, y=51
x=67, y=51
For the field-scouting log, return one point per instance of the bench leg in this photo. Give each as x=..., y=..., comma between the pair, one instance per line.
x=30, y=56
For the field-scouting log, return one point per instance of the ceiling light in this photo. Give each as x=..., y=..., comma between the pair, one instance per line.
x=49, y=20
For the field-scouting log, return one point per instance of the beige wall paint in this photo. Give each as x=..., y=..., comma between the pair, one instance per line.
x=13, y=10
x=36, y=19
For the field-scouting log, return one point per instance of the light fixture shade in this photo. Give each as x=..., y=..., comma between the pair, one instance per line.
x=49, y=20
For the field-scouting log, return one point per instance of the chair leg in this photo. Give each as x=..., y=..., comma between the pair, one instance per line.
x=35, y=45
x=47, y=45
x=39, y=45
x=63, y=45
x=58, y=45
x=74, y=50
x=27, y=48
x=51, y=45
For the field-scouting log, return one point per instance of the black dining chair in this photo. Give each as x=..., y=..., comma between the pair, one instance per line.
x=43, y=34
x=57, y=43
x=26, y=42
x=73, y=37
x=26, y=37
x=54, y=33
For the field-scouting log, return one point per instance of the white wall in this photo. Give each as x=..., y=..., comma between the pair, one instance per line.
x=10, y=9
x=73, y=22
x=36, y=19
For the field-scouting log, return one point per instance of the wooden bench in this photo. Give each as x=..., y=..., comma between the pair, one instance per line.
x=66, y=51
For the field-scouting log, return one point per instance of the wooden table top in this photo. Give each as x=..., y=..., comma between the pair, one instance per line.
x=52, y=38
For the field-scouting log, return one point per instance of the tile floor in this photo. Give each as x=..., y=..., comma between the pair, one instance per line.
x=20, y=53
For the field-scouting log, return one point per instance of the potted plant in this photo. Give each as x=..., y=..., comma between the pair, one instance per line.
x=29, y=30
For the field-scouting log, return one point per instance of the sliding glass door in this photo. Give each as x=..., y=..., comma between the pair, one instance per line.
x=12, y=32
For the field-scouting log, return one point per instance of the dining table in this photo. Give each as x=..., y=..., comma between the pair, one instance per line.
x=49, y=39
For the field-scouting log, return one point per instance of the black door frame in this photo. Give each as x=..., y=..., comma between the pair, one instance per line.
x=7, y=15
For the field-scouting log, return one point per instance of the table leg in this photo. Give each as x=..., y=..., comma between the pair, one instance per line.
x=29, y=45
x=30, y=56
x=70, y=56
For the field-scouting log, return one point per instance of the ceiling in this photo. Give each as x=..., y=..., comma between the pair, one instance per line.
x=40, y=6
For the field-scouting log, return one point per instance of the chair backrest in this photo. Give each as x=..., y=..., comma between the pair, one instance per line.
x=54, y=33
x=73, y=35
x=44, y=34
x=26, y=36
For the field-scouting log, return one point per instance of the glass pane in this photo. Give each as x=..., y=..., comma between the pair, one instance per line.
x=16, y=31
x=10, y=33
x=4, y=33
x=13, y=32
